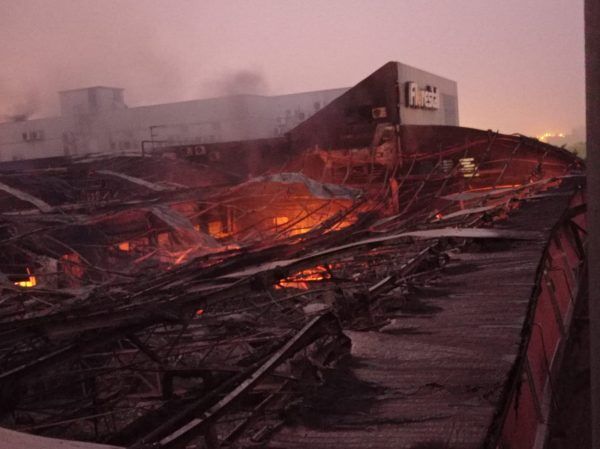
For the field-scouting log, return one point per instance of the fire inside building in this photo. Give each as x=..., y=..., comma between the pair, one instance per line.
x=373, y=278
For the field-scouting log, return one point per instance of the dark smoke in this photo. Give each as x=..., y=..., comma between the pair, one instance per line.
x=145, y=69
x=149, y=76
x=249, y=82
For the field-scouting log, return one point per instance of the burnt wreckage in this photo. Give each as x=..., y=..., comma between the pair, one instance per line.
x=356, y=283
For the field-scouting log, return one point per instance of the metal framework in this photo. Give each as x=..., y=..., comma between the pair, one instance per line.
x=145, y=324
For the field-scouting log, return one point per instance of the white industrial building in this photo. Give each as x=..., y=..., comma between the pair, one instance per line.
x=96, y=119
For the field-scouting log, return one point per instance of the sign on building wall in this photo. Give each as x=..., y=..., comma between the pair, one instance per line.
x=426, y=98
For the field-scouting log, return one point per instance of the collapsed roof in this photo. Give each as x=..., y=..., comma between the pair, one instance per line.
x=357, y=281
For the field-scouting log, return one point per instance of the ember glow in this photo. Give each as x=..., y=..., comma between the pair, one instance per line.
x=29, y=283
x=175, y=275
x=302, y=279
x=309, y=223
x=216, y=229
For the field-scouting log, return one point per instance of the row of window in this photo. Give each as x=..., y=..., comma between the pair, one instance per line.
x=29, y=136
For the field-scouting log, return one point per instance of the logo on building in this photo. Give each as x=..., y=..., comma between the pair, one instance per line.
x=427, y=98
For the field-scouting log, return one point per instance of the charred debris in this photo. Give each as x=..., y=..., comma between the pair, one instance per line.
x=211, y=295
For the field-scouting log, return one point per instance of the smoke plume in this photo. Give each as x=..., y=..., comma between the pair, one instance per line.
x=249, y=82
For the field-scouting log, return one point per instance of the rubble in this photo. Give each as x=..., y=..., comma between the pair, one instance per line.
x=174, y=304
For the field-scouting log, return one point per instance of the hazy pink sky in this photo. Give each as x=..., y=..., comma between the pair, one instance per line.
x=519, y=64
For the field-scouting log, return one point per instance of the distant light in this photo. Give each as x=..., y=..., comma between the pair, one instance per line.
x=550, y=135
x=467, y=167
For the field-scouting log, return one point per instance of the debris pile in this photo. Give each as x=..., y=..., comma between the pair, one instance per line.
x=137, y=310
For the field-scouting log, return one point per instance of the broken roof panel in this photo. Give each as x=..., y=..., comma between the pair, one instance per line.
x=313, y=316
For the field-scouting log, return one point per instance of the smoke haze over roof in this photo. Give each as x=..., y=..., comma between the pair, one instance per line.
x=518, y=63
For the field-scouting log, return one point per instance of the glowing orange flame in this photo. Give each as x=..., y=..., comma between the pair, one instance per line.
x=301, y=279
x=29, y=283
x=278, y=221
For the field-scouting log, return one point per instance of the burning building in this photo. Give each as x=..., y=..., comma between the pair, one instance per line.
x=358, y=281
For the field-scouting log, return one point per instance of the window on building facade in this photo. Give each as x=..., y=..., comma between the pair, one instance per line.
x=33, y=135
